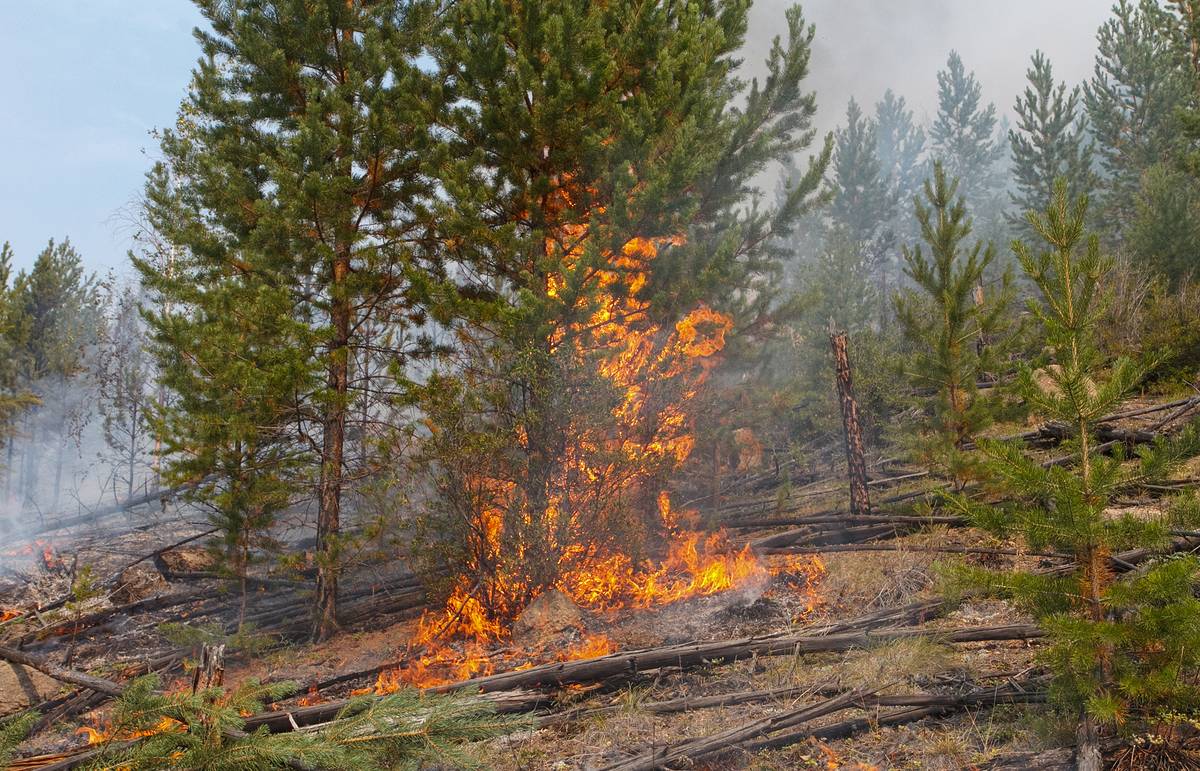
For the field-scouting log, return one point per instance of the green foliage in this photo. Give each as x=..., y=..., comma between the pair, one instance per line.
x=1120, y=649
x=246, y=638
x=963, y=136
x=863, y=200
x=204, y=731
x=13, y=730
x=291, y=204
x=53, y=322
x=15, y=397
x=1049, y=142
x=956, y=326
x=1165, y=230
x=600, y=188
x=1133, y=101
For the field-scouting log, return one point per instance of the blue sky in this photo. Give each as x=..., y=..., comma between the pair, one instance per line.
x=82, y=84
x=84, y=81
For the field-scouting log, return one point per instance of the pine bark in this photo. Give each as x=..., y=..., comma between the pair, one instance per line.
x=332, y=458
x=860, y=502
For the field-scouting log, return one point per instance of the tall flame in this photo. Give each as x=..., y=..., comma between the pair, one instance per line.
x=656, y=372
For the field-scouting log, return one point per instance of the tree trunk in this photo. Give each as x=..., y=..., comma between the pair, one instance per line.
x=332, y=456
x=29, y=474
x=860, y=502
x=1087, y=747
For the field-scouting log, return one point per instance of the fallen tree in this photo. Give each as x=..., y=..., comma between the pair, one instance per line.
x=630, y=663
x=755, y=735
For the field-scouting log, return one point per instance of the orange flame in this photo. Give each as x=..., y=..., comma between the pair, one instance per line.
x=656, y=370
x=104, y=734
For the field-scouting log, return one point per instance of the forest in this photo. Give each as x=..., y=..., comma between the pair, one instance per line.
x=501, y=385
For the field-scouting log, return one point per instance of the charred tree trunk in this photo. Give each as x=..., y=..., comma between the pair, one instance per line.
x=860, y=502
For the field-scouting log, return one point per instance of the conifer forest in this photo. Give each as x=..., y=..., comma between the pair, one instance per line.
x=604, y=385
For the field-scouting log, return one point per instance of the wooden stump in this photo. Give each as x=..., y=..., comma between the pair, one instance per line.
x=860, y=502
x=210, y=672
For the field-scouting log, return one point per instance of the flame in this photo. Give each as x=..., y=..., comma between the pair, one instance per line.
x=655, y=368
x=590, y=647
x=805, y=573
x=43, y=549
x=831, y=760
x=106, y=733
x=695, y=566
x=8, y=614
x=312, y=697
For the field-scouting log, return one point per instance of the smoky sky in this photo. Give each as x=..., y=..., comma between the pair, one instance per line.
x=863, y=47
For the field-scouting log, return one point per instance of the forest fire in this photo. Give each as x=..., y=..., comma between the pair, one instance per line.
x=609, y=466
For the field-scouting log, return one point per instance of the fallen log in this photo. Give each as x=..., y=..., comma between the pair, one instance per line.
x=154, y=555
x=695, y=749
x=824, y=519
x=562, y=673
x=108, y=511
x=156, y=602
x=630, y=663
x=752, y=736
x=61, y=674
x=856, y=547
x=832, y=536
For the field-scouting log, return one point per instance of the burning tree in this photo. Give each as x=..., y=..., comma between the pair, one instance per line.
x=599, y=205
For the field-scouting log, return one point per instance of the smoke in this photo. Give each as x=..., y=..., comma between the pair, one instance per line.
x=864, y=47
x=86, y=444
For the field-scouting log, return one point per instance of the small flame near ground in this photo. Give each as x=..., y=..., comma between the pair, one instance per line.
x=101, y=734
x=42, y=549
x=696, y=566
x=825, y=757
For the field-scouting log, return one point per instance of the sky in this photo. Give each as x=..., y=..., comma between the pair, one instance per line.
x=85, y=82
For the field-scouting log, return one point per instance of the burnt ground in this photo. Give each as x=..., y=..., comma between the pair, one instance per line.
x=598, y=724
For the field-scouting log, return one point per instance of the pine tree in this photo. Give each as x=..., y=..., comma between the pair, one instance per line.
x=900, y=148
x=1165, y=230
x=60, y=322
x=1049, y=143
x=956, y=325
x=296, y=178
x=1122, y=651
x=15, y=398
x=963, y=136
x=1187, y=43
x=229, y=358
x=594, y=191
x=1133, y=100
x=863, y=199
x=127, y=390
